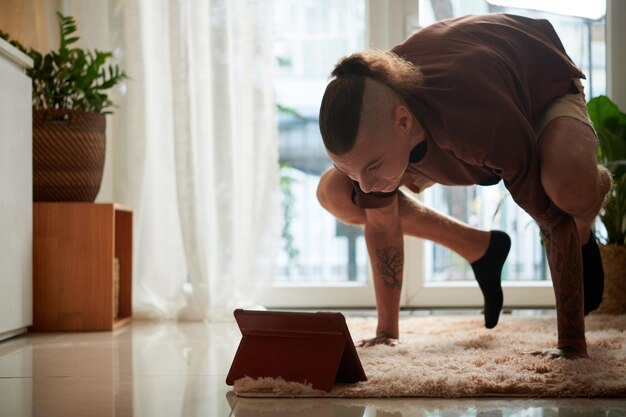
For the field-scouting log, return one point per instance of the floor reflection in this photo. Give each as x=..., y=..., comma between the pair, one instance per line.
x=424, y=407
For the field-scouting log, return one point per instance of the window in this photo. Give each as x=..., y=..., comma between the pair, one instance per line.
x=311, y=36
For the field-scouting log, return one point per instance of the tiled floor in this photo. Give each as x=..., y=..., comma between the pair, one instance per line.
x=178, y=369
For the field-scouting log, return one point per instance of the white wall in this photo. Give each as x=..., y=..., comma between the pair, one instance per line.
x=31, y=22
x=92, y=19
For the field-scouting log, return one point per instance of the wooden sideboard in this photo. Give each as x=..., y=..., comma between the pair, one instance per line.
x=76, y=249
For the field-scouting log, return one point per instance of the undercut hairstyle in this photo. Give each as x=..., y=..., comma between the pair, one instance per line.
x=342, y=109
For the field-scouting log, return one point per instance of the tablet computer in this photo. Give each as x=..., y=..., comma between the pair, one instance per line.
x=313, y=348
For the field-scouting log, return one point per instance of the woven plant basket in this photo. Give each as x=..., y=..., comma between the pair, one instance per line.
x=68, y=155
x=614, y=264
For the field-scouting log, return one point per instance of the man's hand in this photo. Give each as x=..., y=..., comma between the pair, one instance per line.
x=560, y=353
x=382, y=338
x=385, y=246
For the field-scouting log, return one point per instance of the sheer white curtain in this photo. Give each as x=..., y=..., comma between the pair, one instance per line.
x=192, y=147
x=195, y=153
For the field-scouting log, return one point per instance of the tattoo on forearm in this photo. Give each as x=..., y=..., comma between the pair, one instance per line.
x=390, y=264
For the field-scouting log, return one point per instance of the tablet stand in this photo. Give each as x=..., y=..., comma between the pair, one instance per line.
x=313, y=348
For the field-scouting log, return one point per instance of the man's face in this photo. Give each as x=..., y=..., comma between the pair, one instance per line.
x=377, y=163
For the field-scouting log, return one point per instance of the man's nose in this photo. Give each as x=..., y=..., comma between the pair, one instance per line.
x=367, y=185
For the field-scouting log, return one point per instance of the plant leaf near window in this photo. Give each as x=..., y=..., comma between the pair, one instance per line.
x=71, y=78
x=610, y=124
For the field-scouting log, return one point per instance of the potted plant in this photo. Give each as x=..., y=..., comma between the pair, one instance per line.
x=610, y=124
x=69, y=108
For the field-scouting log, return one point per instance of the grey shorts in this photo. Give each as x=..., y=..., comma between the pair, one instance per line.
x=570, y=105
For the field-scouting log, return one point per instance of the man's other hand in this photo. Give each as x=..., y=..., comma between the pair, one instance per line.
x=562, y=353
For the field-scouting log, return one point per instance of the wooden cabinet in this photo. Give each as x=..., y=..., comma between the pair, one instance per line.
x=75, y=251
x=16, y=192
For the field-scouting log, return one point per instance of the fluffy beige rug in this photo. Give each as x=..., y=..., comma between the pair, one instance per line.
x=457, y=357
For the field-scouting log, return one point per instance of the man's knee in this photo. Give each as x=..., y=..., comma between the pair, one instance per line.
x=334, y=192
x=324, y=191
x=569, y=171
x=580, y=193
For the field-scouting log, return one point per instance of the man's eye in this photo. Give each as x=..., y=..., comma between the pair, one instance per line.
x=374, y=167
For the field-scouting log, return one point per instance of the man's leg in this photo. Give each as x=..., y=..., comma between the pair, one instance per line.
x=334, y=193
x=578, y=186
x=569, y=171
x=485, y=251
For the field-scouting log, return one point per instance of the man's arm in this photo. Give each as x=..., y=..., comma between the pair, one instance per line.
x=385, y=245
x=559, y=234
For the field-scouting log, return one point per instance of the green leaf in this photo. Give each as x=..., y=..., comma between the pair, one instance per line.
x=610, y=124
x=71, y=77
x=289, y=111
x=612, y=147
x=604, y=112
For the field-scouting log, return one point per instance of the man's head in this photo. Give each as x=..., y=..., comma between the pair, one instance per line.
x=365, y=122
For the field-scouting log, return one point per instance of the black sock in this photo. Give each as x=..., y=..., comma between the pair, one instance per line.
x=593, y=275
x=487, y=271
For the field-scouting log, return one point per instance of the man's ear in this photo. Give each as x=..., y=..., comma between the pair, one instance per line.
x=402, y=118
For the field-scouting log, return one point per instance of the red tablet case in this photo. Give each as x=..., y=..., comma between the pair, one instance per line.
x=313, y=348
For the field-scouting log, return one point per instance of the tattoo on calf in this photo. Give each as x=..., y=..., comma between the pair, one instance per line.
x=563, y=251
x=390, y=263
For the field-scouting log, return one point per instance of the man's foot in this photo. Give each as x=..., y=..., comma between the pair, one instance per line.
x=593, y=275
x=487, y=271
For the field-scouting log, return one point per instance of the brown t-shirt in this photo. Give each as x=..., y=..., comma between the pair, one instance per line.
x=486, y=80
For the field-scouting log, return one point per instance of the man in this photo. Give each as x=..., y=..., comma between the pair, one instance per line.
x=472, y=100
